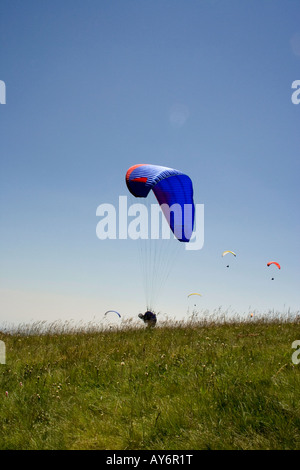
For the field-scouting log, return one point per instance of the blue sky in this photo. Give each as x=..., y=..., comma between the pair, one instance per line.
x=93, y=87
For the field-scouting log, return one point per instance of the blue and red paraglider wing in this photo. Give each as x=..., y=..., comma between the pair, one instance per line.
x=173, y=191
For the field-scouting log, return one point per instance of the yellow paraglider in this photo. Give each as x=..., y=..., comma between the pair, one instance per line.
x=225, y=253
x=195, y=293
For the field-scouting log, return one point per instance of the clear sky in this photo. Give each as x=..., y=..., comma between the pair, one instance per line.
x=93, y=87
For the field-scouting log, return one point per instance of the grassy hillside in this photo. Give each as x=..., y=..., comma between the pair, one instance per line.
x=197, y=386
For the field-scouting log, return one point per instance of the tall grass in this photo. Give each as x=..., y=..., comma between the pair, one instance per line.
x=201, y=384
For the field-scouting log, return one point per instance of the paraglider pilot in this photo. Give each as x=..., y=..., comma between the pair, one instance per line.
x=149, y=318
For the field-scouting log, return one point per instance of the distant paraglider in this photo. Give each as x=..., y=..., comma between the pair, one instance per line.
x=226, y=253
x=195, y=293
x=276, y=264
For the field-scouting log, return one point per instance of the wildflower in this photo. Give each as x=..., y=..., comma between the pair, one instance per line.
x=6, y=394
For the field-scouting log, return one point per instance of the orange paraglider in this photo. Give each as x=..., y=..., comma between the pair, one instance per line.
x=276, y=264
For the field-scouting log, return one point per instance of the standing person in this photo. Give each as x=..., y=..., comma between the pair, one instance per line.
x=149, y=318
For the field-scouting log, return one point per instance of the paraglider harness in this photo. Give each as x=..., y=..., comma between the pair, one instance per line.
x=149, y=318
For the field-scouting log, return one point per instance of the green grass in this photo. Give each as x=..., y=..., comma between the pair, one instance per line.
x=181, y=387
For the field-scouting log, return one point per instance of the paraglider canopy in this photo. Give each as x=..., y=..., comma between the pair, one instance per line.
x=173, y=191
x=274, y=262
x=113, y=311
x=226, y=252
